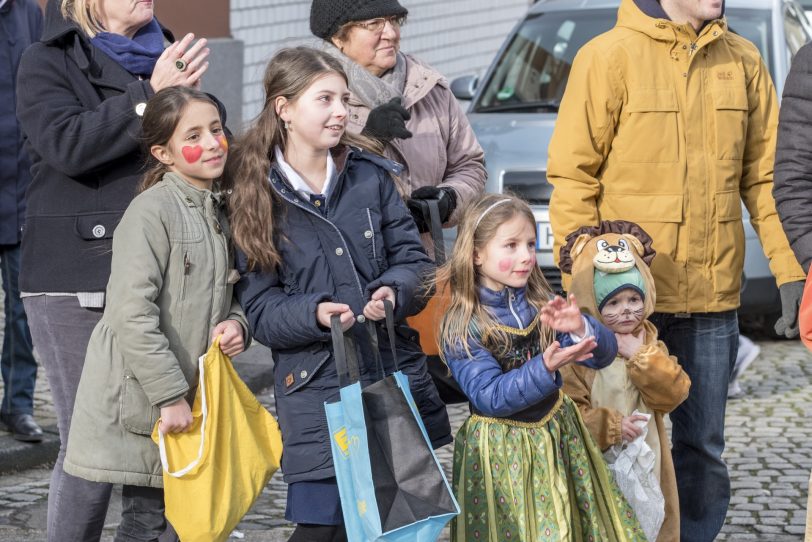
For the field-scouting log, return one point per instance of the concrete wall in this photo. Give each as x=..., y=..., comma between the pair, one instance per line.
x=455, y=36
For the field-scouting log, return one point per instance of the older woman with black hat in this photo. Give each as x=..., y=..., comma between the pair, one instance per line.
x=81, y=94
x=405, y=103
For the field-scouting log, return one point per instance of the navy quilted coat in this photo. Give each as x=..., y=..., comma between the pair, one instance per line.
x=362, y=239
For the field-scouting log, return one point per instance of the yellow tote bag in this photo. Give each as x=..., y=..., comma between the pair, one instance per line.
x=214, y=472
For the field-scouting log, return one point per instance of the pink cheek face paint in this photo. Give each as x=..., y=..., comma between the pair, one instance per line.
x=505, y=265
x=223, y=142
x=192, y=154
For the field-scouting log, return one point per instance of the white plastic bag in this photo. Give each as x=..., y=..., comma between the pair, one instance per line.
x=632, y=465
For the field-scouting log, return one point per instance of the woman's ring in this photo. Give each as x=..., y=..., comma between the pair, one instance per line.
x=181, y=65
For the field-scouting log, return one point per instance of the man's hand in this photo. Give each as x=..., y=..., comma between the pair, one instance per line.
x=791, y=294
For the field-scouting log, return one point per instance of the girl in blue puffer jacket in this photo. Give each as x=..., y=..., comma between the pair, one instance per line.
x=322, y=230
x=525, y=466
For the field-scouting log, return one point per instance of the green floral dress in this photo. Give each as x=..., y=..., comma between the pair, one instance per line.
x=533, y=481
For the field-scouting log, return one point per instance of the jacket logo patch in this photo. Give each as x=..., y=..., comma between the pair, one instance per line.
x=289, y=380
x=725, y=76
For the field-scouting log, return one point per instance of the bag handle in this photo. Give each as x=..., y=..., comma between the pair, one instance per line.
x=204, y=409
x=436, y=228
x=430, y=209
x=344, y=346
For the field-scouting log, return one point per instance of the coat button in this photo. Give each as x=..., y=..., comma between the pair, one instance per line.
x=139, y=108
x=99, y=231
x=339, y=251
x=218, y=228
x=368, y=234
x=303, y=374
x=360, y=319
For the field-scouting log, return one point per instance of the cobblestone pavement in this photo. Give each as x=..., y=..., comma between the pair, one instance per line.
x=768, y=452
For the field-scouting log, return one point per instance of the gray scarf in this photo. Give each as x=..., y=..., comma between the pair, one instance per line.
x=370, y=90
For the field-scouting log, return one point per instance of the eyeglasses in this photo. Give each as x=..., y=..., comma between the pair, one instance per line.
x=377, y=25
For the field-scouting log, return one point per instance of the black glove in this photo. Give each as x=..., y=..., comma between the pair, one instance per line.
x=387, y=122
x=791, y=294
x=446, y=203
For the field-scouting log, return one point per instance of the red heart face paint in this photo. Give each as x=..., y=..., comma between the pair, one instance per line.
x=223, y=142
x=505, y=265
x=192, y=154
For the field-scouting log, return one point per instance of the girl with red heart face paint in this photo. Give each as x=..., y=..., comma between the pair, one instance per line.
x=188, y=141
x=157, y=274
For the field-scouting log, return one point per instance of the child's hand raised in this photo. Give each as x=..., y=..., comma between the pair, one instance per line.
x=628, y=343
x=374, y=309
x=556, y=357
x=327, y=309
x=563, y=316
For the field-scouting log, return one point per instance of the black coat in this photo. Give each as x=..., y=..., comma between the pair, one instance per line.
x=79, y=111
x=792, y=188
x=20, y=26
x=365, y=239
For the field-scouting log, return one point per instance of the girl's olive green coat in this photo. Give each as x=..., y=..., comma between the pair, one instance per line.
x=171, y=283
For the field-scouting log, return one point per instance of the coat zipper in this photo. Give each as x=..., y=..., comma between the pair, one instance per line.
x=511, y=297
x=372, y=230
x=343, y=241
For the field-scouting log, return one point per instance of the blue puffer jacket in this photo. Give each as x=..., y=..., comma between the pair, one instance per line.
x=365, y=239
x=499, y=394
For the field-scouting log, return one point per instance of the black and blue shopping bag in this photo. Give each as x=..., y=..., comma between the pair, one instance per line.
x=391, y=485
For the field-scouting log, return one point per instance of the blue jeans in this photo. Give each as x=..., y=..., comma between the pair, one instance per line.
x=18, y=366
x=705, y=345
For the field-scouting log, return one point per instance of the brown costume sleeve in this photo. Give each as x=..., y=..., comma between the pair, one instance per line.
x=603, y=423
x=659, y=378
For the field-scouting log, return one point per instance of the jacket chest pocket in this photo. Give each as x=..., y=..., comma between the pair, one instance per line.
x=650, y=133
x=731, y=108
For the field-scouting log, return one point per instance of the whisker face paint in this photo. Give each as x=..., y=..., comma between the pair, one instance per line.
x=192, y=154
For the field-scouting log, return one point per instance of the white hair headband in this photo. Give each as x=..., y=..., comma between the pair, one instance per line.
x=488, y=210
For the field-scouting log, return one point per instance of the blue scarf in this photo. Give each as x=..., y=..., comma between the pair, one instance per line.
x=138, y=55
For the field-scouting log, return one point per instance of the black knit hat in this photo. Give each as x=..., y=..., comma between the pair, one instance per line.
x=327, y=16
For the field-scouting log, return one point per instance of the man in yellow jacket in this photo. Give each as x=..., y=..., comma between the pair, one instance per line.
x=669, y=120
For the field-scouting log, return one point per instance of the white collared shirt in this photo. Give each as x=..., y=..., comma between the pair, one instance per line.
x=3, y=3
x=297, y=182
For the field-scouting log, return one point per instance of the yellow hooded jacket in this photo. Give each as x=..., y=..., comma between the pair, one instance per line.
x=671, y=130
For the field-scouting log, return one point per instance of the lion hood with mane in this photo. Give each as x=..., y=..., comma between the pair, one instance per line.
x=612, y=247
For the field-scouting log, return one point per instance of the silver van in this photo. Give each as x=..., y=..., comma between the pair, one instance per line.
x=514, y=106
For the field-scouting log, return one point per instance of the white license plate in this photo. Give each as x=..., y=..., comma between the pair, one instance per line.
x=544, y=236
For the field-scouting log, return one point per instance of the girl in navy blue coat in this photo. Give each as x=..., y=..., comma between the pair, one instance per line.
x=322, y=230
x=525, y=466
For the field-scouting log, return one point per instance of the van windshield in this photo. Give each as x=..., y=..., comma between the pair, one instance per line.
x=532, y=72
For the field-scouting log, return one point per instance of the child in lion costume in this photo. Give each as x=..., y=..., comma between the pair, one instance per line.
x=609, y=265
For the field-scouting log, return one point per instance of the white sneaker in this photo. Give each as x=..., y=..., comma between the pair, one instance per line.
x=748, y=352
x=734, y=390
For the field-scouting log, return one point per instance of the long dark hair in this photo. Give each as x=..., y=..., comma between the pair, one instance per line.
x=161, y=117
x=252, y=203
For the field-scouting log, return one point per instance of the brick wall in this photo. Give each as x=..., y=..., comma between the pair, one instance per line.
x=455, y=36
